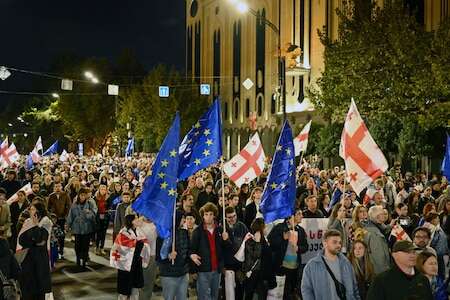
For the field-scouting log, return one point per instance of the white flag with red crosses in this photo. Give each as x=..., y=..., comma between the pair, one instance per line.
x=122, y=251
x=301, y=140
x=364, y=161
x=248, y=164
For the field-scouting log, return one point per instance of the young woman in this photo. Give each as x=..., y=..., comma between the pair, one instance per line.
x=257, y=265
x=81, y=221
x=359, y=258
x=33, y=244
x=130, y=277
x=427, y=264
x=101, y=199
x=438, y=240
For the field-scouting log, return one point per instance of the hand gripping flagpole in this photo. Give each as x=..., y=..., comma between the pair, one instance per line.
x=223, y=194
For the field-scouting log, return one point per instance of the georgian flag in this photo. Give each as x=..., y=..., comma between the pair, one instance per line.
x=10, y=156
x=301, y=140
x=64, y=156
x=364, y=161
x=3, y=147
x=399, y=233
x=122, y=251
x=247, y=164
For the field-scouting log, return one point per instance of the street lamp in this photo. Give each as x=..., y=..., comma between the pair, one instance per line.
x=55, y=95
x=243, y=7
x=89, y=75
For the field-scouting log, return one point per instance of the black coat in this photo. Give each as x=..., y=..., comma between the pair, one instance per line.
x=204, y=198
x=200, y=246
x=181, y=264
x=236, y=236
x=127, y=280
x=278, y=244
x=35, y=277
x=8, y=263
x=11, y=187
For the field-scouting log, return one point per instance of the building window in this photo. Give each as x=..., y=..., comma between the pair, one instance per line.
x=247, y=108
x=273, y=104
x=236, y=109
x=260, y=106
x=225, y=111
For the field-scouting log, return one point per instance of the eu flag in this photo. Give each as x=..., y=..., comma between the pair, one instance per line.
x=157, y=200
x=446, y=161
x=278, y=199
x=130, y=148
x=29, y=164
x=53, y=149
x=202, y=146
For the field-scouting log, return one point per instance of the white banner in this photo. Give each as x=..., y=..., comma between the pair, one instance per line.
x=314, y=228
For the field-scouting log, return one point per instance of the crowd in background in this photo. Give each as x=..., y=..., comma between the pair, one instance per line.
x=389, y=242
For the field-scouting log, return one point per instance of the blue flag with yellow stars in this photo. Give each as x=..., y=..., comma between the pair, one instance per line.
x=202, y=146
x=53, y=149
x=157, y=200
x=278, y=199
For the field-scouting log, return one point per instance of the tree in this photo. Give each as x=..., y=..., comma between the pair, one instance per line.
x=150, y=116
x=396, y=72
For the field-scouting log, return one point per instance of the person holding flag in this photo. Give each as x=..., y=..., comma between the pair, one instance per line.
x=174, y=264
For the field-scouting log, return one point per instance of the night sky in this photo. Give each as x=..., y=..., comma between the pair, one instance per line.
x=34, y=32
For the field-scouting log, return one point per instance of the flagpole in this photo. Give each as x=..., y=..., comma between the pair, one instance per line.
x=345, y=179
x=174, y=227
x=223, y=196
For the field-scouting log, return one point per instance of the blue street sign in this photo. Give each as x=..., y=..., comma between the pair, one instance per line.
x=163, y=91
x=205, y=89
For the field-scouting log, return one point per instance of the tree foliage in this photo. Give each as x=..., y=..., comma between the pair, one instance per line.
x=150, y=116
x=397, y=73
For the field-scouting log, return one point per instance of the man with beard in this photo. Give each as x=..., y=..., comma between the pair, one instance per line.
x=329, y=275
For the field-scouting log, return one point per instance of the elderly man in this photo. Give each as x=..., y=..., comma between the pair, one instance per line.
x=376, y=240
x=402, y=280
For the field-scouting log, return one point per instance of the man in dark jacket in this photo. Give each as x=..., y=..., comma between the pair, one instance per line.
x=16, y=209
x=59, y=203
x=287, y=242
x=236, y=232
x=207, y=253
x=10, y=184
x=402, y=280
x=312, y=210
x=174, y=266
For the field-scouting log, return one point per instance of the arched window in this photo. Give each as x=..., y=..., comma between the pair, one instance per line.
x=236, y=108
x=260, y=105
x=247, y=108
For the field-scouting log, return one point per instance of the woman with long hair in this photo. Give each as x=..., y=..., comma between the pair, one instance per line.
x=359, y=258
x=81, y=221
x=427, y=264
x=101, y=199
x=257, y=266
x=33, y=244
x=252, y=206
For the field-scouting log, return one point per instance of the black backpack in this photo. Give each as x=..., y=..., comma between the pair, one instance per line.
x=10, y=289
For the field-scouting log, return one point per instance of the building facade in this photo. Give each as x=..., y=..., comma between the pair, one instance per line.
x=237, y=54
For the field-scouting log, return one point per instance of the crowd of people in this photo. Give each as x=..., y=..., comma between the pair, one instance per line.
x=389, y=242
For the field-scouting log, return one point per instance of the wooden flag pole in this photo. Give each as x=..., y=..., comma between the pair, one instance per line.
x=345, y=179
x=174, y=229
x=223, y=196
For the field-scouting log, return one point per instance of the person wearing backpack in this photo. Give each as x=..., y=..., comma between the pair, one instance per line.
x=10, y=269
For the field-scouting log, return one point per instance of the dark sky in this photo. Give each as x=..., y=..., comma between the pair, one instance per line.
x=33, y=32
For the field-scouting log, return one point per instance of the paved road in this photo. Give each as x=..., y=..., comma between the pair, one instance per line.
x=98, y=282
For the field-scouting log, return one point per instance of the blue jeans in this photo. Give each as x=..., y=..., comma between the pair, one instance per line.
x=208, y=285
x=175, y=287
